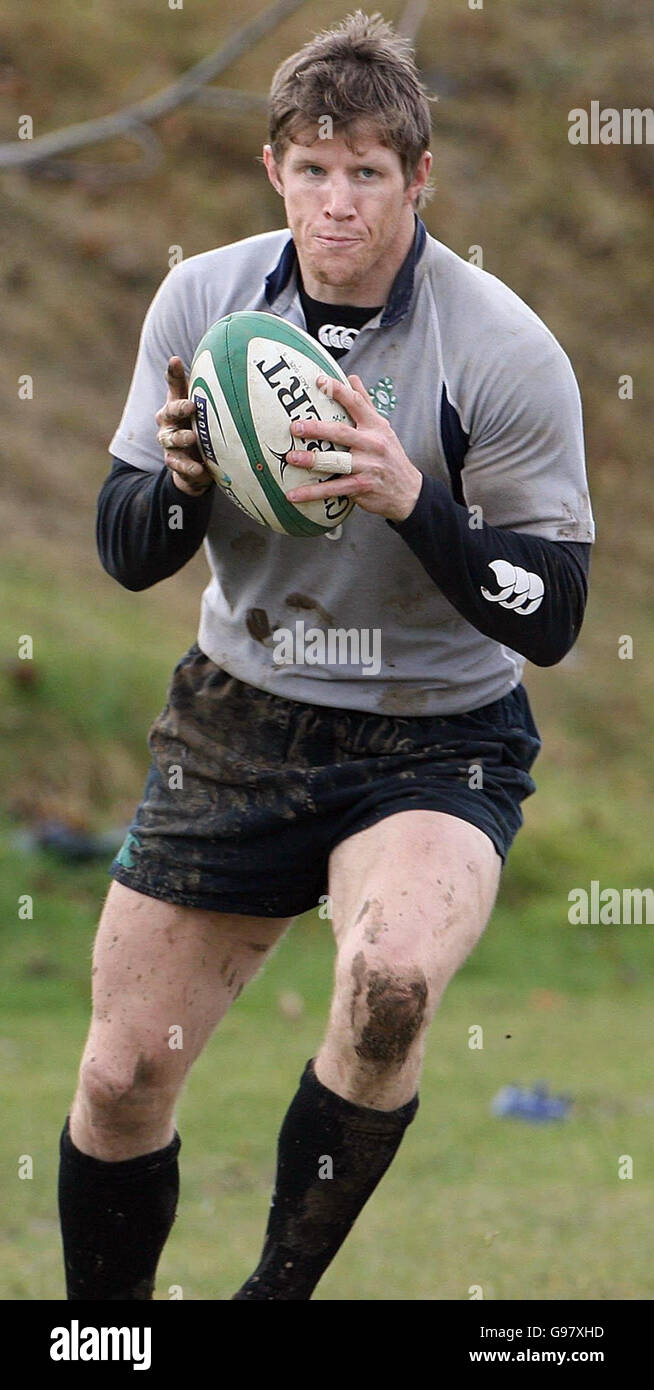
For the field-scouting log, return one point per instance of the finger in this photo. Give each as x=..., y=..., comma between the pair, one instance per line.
x=357, y=402
x=188, y=468
x=336, y=431
x=194, y=489
x=176, y=378
x=331, y=462
x=358, y=386
x=178, y=411
x=171, y=438
x=340, y=487
x=319, y=462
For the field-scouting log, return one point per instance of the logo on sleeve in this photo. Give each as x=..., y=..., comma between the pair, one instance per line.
x=518, y=588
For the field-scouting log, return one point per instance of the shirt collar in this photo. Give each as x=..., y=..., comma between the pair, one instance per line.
x=401, y=292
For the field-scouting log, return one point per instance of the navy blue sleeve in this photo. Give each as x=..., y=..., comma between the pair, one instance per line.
x=524, y=591
x=146, y=529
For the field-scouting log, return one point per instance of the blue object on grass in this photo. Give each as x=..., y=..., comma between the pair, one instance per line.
x=69, y=844
x=535, y=1105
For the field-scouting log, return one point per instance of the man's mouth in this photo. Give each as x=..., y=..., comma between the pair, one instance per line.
x=327, y=240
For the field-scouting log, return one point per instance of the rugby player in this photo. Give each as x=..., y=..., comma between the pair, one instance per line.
x=396, y=793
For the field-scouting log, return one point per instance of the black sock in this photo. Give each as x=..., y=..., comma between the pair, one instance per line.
x=311, y=1215
x=115, y=1218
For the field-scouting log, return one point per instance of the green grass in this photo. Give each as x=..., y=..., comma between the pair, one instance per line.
x=102, y=661
x=527, y=1212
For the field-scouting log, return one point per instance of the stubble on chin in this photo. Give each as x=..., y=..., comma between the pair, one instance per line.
x=339, y=277
x=340, y=282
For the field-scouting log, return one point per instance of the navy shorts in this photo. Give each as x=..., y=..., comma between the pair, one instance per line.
x=248, y=792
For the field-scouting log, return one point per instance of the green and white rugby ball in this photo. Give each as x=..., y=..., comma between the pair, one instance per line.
x=251, y=376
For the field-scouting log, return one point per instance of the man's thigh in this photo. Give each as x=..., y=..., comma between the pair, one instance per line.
x=410, y=897
x=418, y=885
x=163, y=977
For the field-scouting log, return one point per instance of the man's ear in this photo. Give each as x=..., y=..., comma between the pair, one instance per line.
x=272, y=170
x=420, y=177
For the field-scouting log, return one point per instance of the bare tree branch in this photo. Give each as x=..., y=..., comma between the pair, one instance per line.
x=97, y=175
x=232, y=100
x=133, y=120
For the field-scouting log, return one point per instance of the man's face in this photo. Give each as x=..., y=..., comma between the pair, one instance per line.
x=348, y=209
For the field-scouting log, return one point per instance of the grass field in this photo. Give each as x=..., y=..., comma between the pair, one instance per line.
x=524, y=1211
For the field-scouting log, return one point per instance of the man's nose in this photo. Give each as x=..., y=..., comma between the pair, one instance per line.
x=339, y=202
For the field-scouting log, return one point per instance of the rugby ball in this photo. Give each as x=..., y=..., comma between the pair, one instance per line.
x=251, y=376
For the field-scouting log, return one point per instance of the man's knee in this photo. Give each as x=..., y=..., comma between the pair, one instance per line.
x=388, y=1008
x=118, y=1093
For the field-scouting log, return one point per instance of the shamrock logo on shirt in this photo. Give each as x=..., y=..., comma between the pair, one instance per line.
x=383, y=395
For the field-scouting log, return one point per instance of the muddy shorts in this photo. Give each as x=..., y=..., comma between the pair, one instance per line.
x=248, y=792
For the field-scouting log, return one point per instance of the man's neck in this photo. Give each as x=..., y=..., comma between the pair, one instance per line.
x=375, y=287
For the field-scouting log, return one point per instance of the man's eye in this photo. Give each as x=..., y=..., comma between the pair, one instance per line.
x=314, y=169
x=368, y=172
